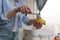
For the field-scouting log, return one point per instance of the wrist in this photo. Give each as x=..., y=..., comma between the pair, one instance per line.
x=16, y=9
x=31, y=21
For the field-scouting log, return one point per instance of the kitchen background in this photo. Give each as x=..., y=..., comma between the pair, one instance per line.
x=50, y=12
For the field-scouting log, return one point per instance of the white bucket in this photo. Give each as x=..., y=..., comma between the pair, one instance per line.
x=39, y=34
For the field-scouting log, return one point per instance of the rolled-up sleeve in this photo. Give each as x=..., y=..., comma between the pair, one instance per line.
x=3, y=19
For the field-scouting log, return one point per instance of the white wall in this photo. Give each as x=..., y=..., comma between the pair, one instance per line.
x=50, y=12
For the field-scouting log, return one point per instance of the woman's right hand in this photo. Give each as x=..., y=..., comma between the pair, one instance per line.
x=24, y=9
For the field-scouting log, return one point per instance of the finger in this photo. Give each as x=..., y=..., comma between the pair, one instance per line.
x=25, y=10
x=21, y=9
x=39, y=24
x=28, y=10
x=35, y=24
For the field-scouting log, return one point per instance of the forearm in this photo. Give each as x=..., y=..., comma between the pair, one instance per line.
x=23, y=9
x=12, y=13
x=30, y=22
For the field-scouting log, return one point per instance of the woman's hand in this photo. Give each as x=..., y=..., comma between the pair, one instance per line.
x=24, y=9
x=35, y=23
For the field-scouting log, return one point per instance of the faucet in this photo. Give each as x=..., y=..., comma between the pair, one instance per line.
x=40, y=5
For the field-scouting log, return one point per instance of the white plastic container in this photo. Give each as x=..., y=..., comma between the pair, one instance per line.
x=39, y=34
